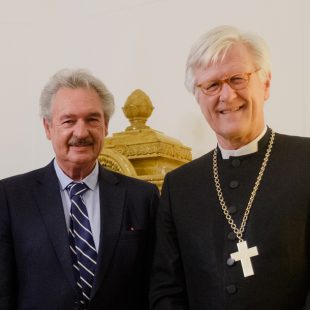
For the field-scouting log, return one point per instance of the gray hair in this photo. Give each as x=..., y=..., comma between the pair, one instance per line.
x=78, y=78
x=213, y=46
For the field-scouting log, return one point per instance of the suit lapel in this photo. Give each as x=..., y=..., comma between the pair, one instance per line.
x=50, y=205
x=112, y=201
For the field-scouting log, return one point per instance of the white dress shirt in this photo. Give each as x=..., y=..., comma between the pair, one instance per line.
x=90, y=197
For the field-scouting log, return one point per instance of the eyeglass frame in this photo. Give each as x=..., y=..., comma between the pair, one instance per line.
x=227, y=81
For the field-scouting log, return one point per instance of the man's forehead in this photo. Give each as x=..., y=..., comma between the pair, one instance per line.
x=234, y=52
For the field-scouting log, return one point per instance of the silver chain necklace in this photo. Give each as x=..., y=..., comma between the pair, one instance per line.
x=244, y=253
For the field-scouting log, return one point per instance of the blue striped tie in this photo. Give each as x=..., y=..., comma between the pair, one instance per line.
x=83, y=250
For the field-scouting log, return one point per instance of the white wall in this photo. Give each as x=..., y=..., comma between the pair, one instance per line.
x=143, y=44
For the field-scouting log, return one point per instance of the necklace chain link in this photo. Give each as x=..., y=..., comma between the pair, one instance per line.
x=239, y=231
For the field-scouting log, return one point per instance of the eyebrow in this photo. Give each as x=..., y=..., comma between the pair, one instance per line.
x=96, y=114
x=222, y=79
x=69, y=115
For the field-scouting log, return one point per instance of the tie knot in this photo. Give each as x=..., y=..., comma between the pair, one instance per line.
x=76, y=189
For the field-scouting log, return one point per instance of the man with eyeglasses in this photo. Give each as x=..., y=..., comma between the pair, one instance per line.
x=233, y=226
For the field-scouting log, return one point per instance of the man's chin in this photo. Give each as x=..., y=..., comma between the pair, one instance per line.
x=82, y=155
x=81, y=149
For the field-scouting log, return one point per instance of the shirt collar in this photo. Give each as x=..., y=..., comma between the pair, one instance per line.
x=91, y=180
x=249, y=148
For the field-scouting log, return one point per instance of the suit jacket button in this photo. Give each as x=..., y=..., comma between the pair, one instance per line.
x=232, y=209
x=231, y=289
x=232, y=236
x=235, y=162
x=230, y=262
x=233, y=184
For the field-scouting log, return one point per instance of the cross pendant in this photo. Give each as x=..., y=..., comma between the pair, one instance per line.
x=244, y=254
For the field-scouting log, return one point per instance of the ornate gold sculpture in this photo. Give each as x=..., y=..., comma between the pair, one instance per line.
x=140, y=151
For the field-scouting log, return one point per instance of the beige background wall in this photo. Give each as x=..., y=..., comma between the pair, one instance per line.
x=143, y=44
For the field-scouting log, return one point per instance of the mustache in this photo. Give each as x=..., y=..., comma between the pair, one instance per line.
x=74, y=141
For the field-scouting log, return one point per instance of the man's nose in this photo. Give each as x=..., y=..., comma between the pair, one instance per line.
x=227, y=93
x=81, y=129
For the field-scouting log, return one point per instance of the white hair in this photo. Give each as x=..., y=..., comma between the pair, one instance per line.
x=213, y=46
x=78, y=78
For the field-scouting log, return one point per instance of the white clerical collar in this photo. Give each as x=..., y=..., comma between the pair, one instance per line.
x=249, y=148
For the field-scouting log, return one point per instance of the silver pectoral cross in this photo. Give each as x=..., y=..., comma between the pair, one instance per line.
x=244, y=254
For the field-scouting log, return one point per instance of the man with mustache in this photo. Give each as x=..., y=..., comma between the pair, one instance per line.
x=74, y=235
x=233, y=226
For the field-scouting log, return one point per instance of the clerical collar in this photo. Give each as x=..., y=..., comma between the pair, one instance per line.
x=249, y=148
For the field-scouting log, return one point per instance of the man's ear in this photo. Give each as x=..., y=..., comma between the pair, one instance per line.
x=47, y=127
x=267, y=86
x=106, y=128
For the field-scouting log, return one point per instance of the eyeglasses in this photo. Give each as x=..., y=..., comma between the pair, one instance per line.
x=237, y=82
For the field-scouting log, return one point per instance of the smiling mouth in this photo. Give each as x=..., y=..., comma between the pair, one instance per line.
x=231, y=110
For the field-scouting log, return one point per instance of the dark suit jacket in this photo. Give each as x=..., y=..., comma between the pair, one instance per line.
x=194, y=240
x=35, y=263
